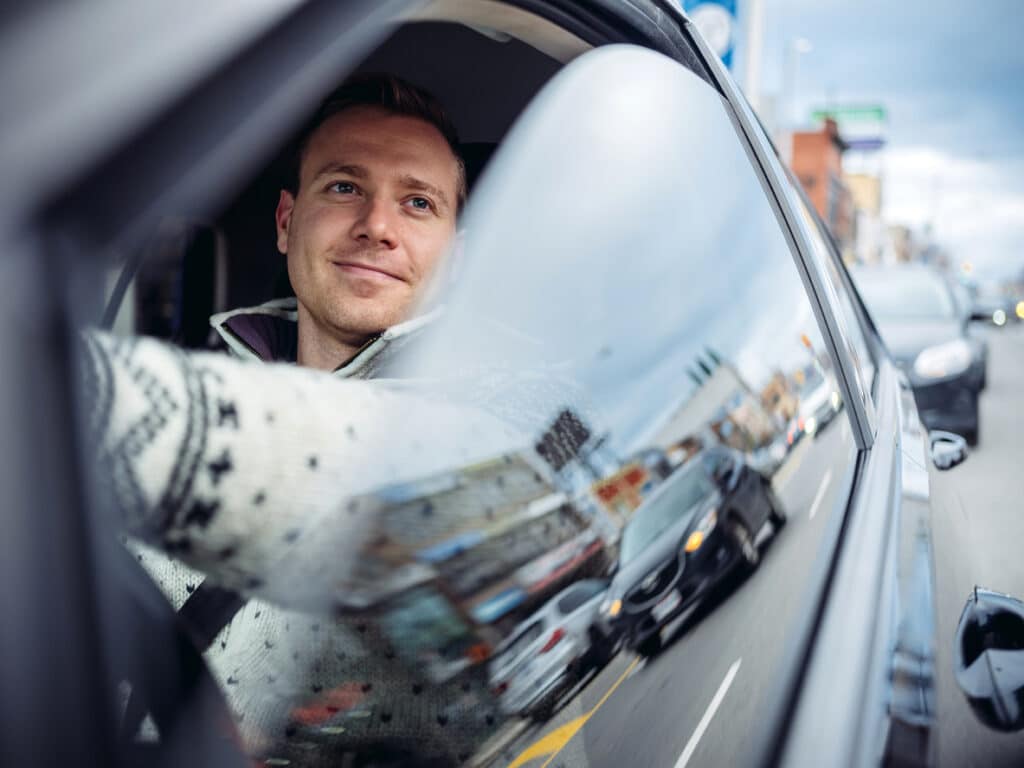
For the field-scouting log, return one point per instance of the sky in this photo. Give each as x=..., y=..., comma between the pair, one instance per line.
x=951, y=76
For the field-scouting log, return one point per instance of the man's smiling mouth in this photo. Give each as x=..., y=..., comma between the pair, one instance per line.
x=362, y=269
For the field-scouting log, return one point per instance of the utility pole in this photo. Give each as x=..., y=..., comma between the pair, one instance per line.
x=752, y=55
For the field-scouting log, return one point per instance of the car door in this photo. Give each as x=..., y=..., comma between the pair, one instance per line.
x=661, y=312
x=633, y=280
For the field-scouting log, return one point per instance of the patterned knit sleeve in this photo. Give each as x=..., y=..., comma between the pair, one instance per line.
x=249, y=472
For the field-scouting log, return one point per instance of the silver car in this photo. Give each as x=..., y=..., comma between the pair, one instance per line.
x=638, y=275
x=552, y=651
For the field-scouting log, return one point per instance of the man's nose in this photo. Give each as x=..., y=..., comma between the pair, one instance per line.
x=376, y=223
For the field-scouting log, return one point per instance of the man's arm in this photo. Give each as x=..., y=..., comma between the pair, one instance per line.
x=247, y=472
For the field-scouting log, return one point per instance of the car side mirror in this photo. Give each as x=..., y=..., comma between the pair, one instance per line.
x=948, y=448
x=988, y=658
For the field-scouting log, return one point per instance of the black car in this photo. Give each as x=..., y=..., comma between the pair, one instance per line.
x=699, y=525
x=926, y=332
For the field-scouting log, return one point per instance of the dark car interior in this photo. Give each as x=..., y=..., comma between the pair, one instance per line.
x=192, y=269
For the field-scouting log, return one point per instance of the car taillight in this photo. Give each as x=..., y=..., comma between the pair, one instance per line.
x=557, y=635
x=500, y=688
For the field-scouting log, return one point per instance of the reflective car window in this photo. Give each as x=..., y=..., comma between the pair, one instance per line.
x=848, y=319
x=578, y=595
x=623, y=305
x=688, y=488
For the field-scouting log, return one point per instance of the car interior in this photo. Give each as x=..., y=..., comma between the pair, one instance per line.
x=191, y=269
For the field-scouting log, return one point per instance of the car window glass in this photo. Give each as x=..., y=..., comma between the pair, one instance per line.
x=623, y=304
x=647, y=322
x=849, y=322
x=578, y=595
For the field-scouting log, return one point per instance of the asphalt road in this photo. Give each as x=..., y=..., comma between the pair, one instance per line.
x=978, y=538
x=701, y=702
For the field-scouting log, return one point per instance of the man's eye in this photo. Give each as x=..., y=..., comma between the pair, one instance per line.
x=421, y=203
x=342, y=187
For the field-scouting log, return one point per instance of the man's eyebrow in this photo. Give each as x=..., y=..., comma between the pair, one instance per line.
x=347, y=169
x=423, y=186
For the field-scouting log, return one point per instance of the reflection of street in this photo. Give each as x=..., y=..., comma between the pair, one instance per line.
x=666, y=711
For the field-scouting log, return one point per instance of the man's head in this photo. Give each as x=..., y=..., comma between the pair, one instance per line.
x=377, y=186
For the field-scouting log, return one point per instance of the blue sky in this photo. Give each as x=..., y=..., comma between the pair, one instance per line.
x=952, y=78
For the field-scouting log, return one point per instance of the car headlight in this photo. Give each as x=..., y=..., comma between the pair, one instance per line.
x=704, y=527
x=999, y=317
x=611, y=608
x=943, y=360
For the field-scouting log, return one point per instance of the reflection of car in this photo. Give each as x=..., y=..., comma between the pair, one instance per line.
x=768, y=458
x=818, y=405
x=553, y=650
x=925, y=331
x=700, y=524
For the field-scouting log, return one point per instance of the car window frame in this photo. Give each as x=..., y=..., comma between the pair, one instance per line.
x=779, y=192
x=875, y=345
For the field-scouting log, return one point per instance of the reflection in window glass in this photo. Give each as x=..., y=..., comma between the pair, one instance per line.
x=847, y=315
x=662, y=322
x=627, y=314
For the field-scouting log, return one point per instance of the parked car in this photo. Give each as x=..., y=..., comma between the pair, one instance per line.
x=989, y=304
x=636, y=269
x=551, y=652
x=820, y=401
x=919, y=319
x=686, y=537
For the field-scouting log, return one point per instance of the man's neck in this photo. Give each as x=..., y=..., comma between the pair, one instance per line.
x=319, y=349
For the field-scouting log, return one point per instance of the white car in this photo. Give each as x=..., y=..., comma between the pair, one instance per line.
x=547, y=655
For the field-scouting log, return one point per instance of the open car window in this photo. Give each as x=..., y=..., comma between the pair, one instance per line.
x=622, y=301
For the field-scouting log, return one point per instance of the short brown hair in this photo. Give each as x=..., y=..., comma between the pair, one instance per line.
x=392, y=94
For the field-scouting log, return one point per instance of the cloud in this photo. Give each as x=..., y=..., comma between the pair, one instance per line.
x=976, y=210
x=953, y=83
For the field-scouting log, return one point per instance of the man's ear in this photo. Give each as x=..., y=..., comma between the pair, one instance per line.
x=283, y=218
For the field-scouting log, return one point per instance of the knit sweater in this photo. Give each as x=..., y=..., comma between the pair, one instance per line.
x=262, y=478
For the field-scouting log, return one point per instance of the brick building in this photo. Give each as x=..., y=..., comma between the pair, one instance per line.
x=818, y=164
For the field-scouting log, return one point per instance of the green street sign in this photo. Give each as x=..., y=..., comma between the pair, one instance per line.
x=875, y=114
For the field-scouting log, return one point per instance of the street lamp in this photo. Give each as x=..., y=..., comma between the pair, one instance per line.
x=794, y=49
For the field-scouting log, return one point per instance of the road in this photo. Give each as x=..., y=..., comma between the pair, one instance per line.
x=701, y=702
x=726, y=660
x=978, y=532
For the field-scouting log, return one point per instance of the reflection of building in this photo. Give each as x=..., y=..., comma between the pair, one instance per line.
x=488, y=542
x=818, y=164
x=622, y=492
x=722, y=404
x=777, y=398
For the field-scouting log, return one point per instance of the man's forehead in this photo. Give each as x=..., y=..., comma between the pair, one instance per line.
x=381, y=142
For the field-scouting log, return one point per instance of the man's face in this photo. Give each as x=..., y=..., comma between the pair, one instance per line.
x=374, y=212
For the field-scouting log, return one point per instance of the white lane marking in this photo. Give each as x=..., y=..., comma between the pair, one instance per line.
x=709, y=713
x=820, y=494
